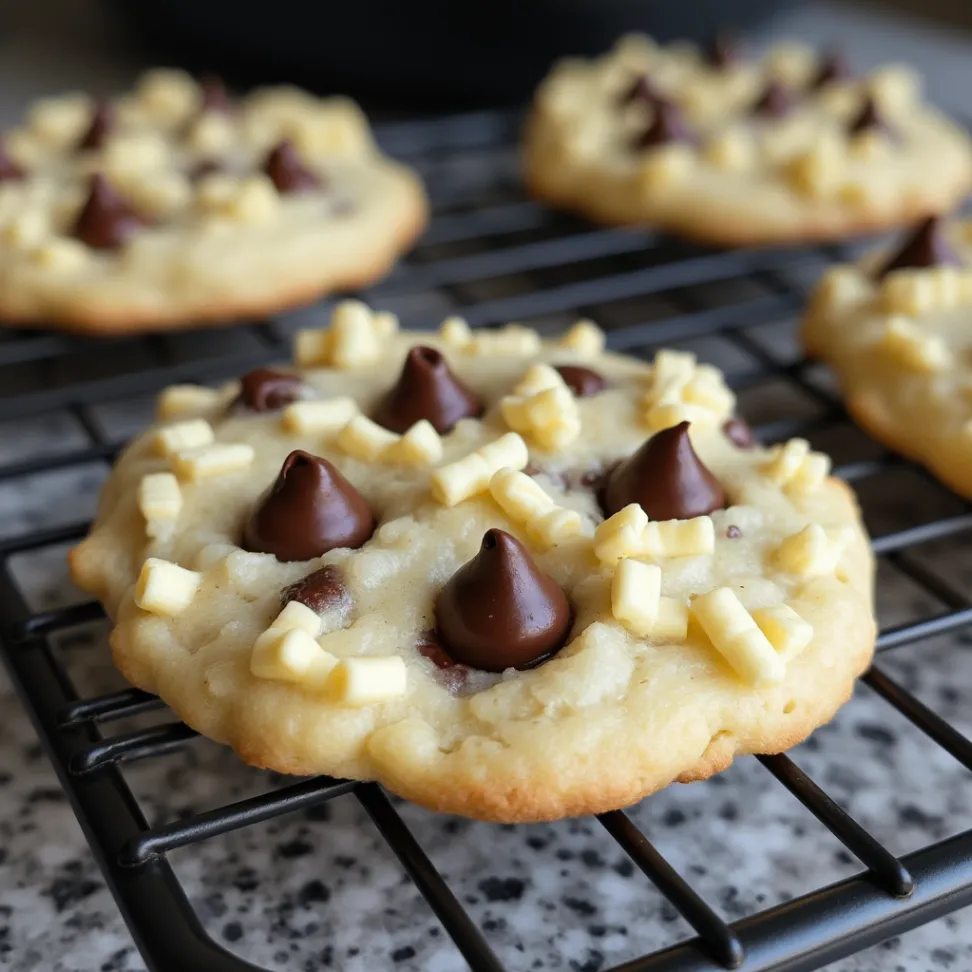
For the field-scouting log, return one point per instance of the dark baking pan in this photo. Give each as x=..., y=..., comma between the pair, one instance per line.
x=428, y=53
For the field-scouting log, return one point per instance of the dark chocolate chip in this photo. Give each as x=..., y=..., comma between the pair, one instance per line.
x=667, y=125
x=106, y=221
x=214, y=96
x=287, y=172
x=642, y=89
x=869, y=119
x=101, y=126
x=265, y=390
x=833, y=67
x=775, y=101
x=738, y=432
x=722, y=51
x=323, y=589
x=453, y=675
x=924, y=246
x=583, y=382
x=666, y=478
x=733, y=532
x=9, y=170
x=429, y=647
x=309, y=510
x=500, y=610
x=426, y=389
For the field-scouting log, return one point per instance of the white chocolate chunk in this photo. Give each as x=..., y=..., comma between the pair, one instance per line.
x=165, y=588
x=61, y=255
x=628, y=533
x=620, y=535
x=915, y=292
x=525, y=503
x=364, y=439
x=679, y=538
x=159, y=498
x=543, y=408
x=665, y=166
x=735, y=635
x=312, y=347
x=354, y=338
x=178, y=401
x=356, y=342
x=421, y=445
x=298, y=616
x=368, y=680
x=456, y=333
x=842, y=286
x=904, y=342
x=190, y=434
x=289, y=655
x=555, y=526
x=470, y=475
x=584, y=337
x=635, y=595
x=203, y=462
x=681, y=390
x=319, y=418
x=814, y=551
x=786, y=631
x=794, y=466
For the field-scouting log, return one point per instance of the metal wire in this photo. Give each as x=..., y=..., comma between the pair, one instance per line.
x=888, y=896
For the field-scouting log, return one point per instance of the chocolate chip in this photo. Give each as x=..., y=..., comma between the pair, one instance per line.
x=869, y=119
x=287, y=172
x=500, y=610
x=642, y=89
x=453, y=675
x=775, y=101
x=323, y=589
x=666, y=126
x=426, y=389
x=9, y=170
x=583, y=382
x=666, y=478
x=106, y=221
x=265, y=390
x=204, y=168
x=214, y=96
x=101, y=126
x=309, y=510
x=738, y=432
x=924, y=246
x=832, y=68
x=733, y=532
x=722, y=51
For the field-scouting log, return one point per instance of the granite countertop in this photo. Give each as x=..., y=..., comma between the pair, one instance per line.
x=319, y=889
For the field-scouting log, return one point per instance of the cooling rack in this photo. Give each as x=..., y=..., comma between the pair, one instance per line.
x=493, y=256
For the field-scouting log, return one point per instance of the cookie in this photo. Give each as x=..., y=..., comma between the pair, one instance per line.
x=895, y=328
x=737, y=151
x=509, y=578
x=176, y=204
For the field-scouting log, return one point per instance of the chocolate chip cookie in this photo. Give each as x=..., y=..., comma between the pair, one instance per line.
x=177, y=204
x=737, y=150
x=895, y=328
x=510, y=578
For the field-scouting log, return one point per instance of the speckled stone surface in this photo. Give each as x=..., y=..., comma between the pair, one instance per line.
x=319, y=889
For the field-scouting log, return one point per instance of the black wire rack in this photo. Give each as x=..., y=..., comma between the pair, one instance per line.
x=543, y=268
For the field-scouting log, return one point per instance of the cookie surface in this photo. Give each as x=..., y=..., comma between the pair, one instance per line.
x=740, y=152
x=175, y=205
x=895, y=328
x=488, y=644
